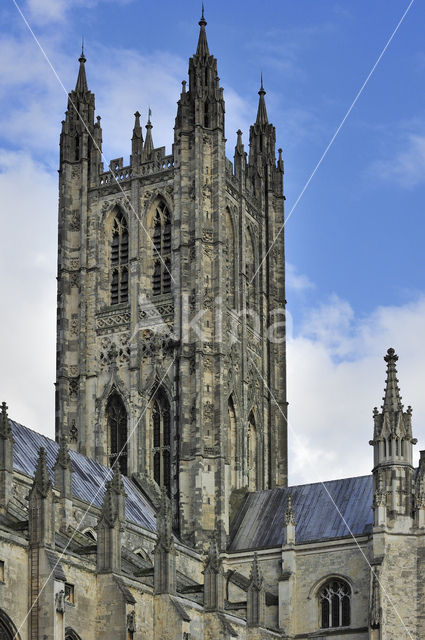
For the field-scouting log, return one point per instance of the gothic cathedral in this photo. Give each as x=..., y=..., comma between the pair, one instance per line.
x=162, y=509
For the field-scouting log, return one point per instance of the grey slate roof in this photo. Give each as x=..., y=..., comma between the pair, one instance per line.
x=88, y=479
x=259, y=521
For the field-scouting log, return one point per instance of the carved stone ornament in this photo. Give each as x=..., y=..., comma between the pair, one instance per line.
x=60, y=601
x=73, y=432
x=131, y=621
x=74, y=224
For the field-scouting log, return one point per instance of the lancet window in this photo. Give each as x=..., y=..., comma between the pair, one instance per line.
x=161, y=279
x=117, y=431
x=251, y=452
x=161, y=434
x=119, y=260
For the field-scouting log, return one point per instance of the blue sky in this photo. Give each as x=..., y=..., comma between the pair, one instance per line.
x=355, y=240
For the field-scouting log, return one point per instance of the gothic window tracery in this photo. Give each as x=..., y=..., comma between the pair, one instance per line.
x=119, y=260
x=161, y=433
x=117, y=431
x=334, y=600
x=161, y=278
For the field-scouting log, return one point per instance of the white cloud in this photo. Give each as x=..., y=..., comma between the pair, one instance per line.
x=336, y=376
x=297, y=282
x=407, y=166
x=28, y=293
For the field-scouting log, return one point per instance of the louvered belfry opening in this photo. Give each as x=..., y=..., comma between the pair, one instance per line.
x=117, y=428
x=161, y=279
x=119, y=260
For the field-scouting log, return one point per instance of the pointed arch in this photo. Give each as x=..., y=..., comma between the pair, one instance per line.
x=161, y=249
x=229, y=248
x=251, y=451
x=8, y=631
x=116, y=416
x=118, y=258
x=70, y=634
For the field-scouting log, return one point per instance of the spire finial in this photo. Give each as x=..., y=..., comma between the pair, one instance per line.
x=262, y=117
x=202, y=49
x=81, y=85
x=149, y=141
x=202, y=22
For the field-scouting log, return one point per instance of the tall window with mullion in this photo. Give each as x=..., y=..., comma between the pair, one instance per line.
x=117, y=427
x=161, y=278
x=161, y=452
x=334, y=599
x=119, y=260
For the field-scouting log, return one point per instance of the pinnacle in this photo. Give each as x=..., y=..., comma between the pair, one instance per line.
x=262, y=117
x=256, y=577
x=149, y=140
x=42, y=478
x=63, y=458
x=202, y=48
x=392, y=397
x=81, y=86
x=5, y=430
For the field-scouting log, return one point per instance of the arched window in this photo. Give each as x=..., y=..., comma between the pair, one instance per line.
x=161, y=432
x=250, y=271
x=334, y=600
x=161, y=278
x=251, y=453
x=117, y=429
x=229, y=248
x=119, y=260
x=231, y=417
x=8, y=630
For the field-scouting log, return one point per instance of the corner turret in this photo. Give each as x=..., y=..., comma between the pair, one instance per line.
x=393, y=451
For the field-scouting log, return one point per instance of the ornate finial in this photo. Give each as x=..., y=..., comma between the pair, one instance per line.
x=63, y=458
x=81, y=86
x=184, y=86
x=82, y=57
x=391, y=356
x=262, y=118
x=256, y=576
x=290, y=513
x=280, y=160
x=5, y=429
x=239, y=143
x=202, y=22
x=42, y=477
x=261, y=87
x=117, y=484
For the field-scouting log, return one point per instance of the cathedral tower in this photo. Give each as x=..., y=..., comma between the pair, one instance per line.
x=171, y=341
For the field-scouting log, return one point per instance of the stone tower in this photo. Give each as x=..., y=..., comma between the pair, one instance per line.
x=170, y=337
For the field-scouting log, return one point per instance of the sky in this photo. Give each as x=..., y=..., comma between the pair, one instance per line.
x=354, y=239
